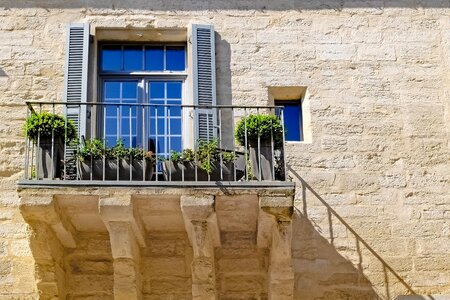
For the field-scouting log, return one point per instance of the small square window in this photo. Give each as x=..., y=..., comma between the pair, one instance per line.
x=292, y=116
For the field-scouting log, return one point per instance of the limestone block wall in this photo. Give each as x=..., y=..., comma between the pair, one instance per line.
x=373, y=206
x=89, y=268
x=166, y=266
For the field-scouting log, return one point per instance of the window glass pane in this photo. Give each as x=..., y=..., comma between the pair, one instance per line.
x=174, y=111
x=156, y=90
x=175, y=58
x=174, y=90
x=152, y=125
x=111, y=58
x=175, y=126
x=154, y=58
x=132, y=58
x=111, y=141
x=175, y=143
x=126, y=109
x=112, y=90
x=111, y=111
x=161, y=145
x=157, y=109
x=111, y=126
x=129, y=90
x=292, y=121
x=126, y=127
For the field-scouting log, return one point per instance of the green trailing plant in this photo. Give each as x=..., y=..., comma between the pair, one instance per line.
x=119, y=151
x=43, y=124
x=263, y=127
x=187, y=155
x=94, y=148
x=140, y=154
x=176, y=157
x=228, y=156
x=206, y=154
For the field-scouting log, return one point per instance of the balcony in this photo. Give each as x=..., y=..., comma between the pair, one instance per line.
x=108, y=144
x=130, y=177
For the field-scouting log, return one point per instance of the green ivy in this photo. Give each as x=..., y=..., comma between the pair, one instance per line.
x=262, y=126
x=44, y=123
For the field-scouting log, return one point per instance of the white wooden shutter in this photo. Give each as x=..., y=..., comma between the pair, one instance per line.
x=76, y=76
x=204, y=80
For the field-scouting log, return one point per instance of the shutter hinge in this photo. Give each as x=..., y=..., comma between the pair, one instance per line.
x=91, y=38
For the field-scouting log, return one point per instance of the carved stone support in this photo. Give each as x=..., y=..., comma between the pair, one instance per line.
x=201, y=226
x=276, y=232
x=51, y=232
x=126, y=238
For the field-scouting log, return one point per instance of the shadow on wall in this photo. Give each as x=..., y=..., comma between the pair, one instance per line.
x=224, y=92
x=220, y=4
x=334, y=267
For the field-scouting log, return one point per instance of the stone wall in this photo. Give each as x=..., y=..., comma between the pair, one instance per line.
x=373, y=206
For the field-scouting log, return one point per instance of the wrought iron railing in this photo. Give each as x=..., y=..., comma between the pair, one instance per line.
x=153, y=142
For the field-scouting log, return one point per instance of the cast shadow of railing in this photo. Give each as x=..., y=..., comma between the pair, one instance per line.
x=387, y=284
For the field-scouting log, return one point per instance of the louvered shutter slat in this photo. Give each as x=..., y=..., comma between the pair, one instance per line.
x=203, y=51
x=76, y=76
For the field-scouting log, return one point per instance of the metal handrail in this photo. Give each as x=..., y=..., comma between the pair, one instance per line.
x=28, y=103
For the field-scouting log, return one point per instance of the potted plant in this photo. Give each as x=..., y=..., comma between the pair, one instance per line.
x=117, y=162
x=139, y=161
x=257, y=132
x=180, y=166
x=93, y=159
x=49, y=132
x=207, y=162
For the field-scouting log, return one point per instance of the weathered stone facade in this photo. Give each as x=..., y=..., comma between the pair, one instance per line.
x=372, y=204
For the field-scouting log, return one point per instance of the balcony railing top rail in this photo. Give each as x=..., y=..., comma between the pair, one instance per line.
x=122, y=140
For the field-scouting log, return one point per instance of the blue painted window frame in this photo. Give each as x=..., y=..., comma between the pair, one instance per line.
x=292, y=127
x=144, y=77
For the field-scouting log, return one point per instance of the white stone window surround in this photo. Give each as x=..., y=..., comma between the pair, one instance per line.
x=294, y=93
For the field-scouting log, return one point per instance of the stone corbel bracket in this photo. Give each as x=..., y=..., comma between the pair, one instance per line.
x=126, y=233
x=201, y=226
x=46, y=209
x=275, y=233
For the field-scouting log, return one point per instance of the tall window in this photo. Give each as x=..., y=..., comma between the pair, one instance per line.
x=153, y=75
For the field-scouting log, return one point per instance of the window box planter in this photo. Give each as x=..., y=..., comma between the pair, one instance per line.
x=115, y=169
x=173, y=171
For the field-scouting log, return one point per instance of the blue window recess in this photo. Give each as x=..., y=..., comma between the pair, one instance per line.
x=292, y=113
